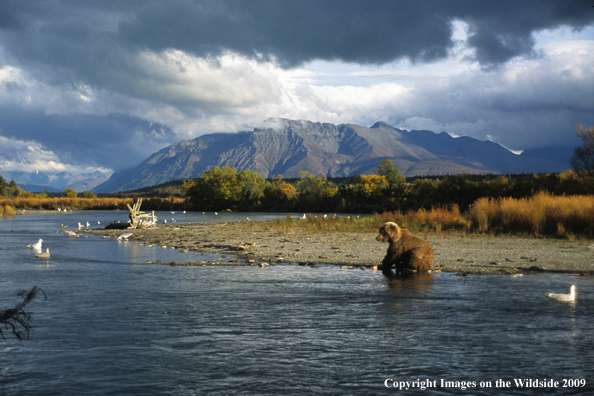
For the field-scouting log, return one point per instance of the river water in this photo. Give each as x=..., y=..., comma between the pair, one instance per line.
x=112, y=325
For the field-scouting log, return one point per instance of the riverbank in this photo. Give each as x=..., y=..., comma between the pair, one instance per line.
x=251, y=243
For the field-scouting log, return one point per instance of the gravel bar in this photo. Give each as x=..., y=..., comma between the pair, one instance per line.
x=251, y=243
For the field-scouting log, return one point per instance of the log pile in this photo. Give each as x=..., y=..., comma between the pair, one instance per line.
x=138, y=219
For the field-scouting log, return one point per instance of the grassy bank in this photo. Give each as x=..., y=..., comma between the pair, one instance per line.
x=7, y=210
x=540, y=215
x=65, y=203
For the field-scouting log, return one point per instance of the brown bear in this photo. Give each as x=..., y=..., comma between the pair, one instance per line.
x=406, y=251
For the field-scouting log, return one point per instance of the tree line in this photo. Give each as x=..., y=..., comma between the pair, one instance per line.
x=224, y=188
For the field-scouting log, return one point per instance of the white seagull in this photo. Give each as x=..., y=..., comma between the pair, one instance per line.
x=124, y=237
x=36, y=246
x=45, y=255
x=564, y=297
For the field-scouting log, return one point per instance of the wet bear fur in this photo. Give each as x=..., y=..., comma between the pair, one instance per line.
x=406, y=251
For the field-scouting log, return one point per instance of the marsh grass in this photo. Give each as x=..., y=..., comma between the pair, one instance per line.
x=543, y=214
x=7, y=210
x=91, y=203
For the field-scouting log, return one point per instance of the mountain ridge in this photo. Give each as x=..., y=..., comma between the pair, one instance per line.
x=39, y=181
x=285, y=147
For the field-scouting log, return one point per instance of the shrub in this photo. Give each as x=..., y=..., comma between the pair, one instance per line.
x=69, y=193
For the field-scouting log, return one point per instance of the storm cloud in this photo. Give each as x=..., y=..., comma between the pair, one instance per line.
x=100, y=34
x=105, y=84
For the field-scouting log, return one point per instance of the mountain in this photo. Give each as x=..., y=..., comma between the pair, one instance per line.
x=38, y=181
x=37, y=189
x=561, y=154
x=286, y=147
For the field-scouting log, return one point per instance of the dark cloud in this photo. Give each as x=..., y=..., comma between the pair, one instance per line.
x=81, y=57
x=115, y=141
x=98, y=34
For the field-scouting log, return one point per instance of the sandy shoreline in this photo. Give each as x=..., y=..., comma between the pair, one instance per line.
x=467, y=255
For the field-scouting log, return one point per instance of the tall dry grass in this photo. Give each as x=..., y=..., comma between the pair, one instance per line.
x=7, y=210
x=541, y=214
x=436, y=220
x=91, y=203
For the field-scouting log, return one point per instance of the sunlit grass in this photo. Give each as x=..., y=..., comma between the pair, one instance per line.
x=540, y=215
x=65, y=203
x=7, y=210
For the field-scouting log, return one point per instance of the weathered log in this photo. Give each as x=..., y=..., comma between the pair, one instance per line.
x=140, y=219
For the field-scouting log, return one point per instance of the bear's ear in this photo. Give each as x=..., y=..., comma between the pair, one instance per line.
x=392, y=226
x=393, y=230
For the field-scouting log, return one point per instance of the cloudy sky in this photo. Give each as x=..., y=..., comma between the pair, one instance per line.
x=88, y=85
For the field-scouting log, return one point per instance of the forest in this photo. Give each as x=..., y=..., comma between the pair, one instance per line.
x=387, y=191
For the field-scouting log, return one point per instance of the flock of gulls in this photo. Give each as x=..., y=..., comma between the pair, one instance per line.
x=37, y=246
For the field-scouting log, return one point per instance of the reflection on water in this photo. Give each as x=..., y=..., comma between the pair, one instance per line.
x=115, y=326
x=409, y=280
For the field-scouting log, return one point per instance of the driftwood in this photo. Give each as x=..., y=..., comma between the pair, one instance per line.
x=14, y=319
x=140, y=219
x=117, y=226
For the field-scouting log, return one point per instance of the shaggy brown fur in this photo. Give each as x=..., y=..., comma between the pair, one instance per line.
x=406, y=251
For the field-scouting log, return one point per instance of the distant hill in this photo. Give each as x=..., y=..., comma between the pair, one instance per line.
x=286, y=147
x=38, y=181
x=39, y=189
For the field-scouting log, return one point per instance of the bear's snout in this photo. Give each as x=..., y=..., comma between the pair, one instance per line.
x=381, y=238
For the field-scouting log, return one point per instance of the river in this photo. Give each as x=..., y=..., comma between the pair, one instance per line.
x=112, y=325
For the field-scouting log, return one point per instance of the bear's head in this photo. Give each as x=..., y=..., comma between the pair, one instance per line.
x=388, y=232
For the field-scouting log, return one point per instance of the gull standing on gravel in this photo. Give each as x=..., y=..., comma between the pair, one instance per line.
x=124, y=237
